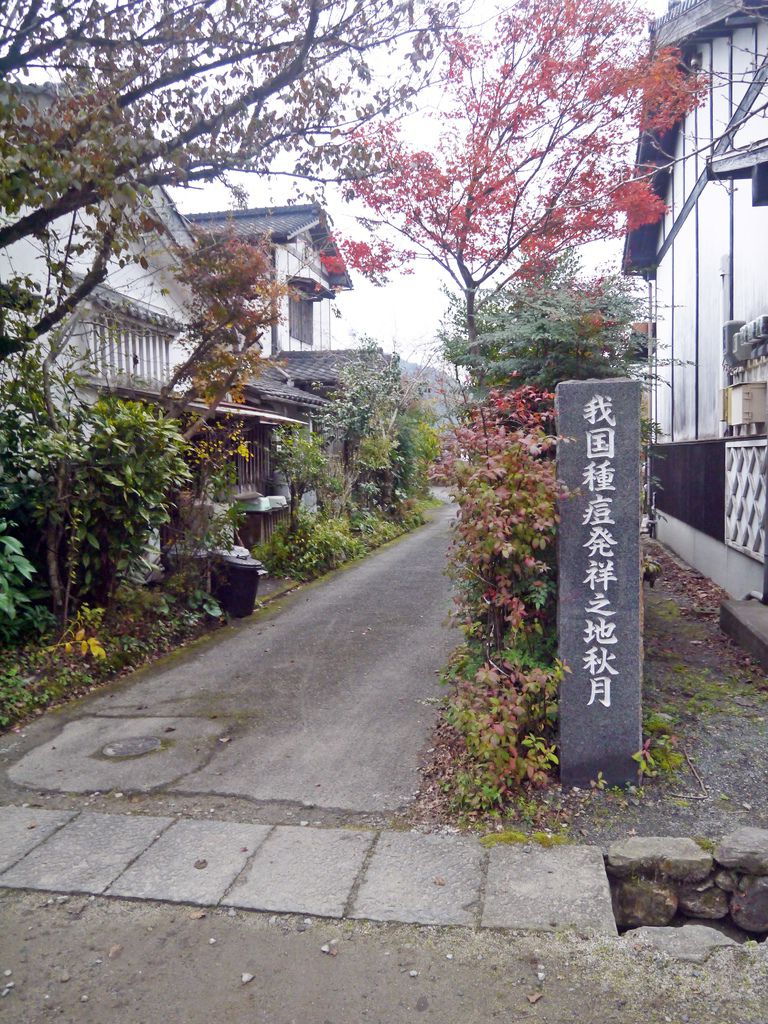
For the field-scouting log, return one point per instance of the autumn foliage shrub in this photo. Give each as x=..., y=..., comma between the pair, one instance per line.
x=500, y=467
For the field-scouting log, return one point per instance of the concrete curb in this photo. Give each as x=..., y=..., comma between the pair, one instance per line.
x=746, y=622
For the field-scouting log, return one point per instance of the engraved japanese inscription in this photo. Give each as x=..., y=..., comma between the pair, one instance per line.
x=599, y=580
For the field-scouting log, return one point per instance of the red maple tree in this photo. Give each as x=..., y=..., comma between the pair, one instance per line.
x=537, y=127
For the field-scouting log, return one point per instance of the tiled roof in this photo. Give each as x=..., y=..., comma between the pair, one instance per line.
x=320, y=367
x=282, y=223
x=675, y=11
x=271, y=384
x=685, y=20
x=107, y=298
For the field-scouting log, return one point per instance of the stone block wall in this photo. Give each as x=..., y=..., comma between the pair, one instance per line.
x=656, y=878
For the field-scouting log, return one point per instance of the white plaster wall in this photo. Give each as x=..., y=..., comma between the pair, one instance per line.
x=713, y=306
x=663, y=384
x=721, y=96
x=684, y=353
x=155, y=287
x=750, y=46
x=734, y=571
x=750, y=279
x=299, y=259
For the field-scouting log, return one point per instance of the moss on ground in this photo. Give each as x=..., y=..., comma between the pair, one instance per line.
x=511, y=837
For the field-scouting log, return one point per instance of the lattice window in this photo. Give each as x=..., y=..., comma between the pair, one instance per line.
x=255, y=472
x=301, y=316
x=745, y=497
x=126, y=349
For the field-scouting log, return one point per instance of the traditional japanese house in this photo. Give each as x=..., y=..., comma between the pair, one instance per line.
x=705, y=268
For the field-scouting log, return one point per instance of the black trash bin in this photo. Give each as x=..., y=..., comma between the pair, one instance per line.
x=236, y=583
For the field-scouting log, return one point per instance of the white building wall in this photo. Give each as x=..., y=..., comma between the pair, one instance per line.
x=662, y=401
x=155, y=288
x=713, y=213
x=684, y=339
x=737, y=574
x=693, y=300
x=300, y=259
x=694, y=295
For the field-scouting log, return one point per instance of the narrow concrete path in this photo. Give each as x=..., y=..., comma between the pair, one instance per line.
x=327, y=702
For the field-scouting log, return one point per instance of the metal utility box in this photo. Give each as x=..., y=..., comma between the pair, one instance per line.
x=744, y=403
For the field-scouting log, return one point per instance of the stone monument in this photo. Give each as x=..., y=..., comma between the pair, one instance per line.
x=599, y=582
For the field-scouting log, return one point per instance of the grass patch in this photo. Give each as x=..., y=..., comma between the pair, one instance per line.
x=709, y=845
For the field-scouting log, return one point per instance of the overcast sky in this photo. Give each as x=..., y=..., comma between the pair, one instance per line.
x=405, y=313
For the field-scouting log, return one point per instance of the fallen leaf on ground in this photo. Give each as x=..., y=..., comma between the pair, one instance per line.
x=534, y=998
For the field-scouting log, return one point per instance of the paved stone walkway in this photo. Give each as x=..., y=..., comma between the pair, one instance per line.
x=327, y=872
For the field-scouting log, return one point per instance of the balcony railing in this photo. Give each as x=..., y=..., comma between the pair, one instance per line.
x=124, y=351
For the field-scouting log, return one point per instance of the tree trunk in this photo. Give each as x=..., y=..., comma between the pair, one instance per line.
x=295, y=503
x=52, y=541
x=470, y=295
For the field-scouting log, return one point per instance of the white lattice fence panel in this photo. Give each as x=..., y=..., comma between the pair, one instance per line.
x=745, y=497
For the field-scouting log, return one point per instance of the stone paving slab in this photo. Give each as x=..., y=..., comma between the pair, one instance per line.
x=535, y=889
x=24, y=828
x=425, y=879
x=74, y=762
x=693, y=942
x=304, y=871
x=193, y=862
x=86, y=855
x=327, y=872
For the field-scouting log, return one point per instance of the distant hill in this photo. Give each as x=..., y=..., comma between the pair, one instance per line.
x=437, y=383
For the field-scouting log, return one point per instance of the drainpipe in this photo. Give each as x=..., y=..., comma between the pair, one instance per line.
x=730, y=362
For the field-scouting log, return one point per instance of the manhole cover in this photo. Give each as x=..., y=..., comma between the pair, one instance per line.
x=136, y=746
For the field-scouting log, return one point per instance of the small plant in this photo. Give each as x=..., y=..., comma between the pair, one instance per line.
x=200, y=600
x=658, y=756
x=706, y=844
x=651, y=570
x=76, y=636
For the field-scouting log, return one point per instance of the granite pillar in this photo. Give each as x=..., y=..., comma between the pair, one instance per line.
x=599, y=582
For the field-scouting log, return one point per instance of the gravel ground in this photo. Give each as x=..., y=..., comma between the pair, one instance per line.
x=93, y=961
x=717, y=700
